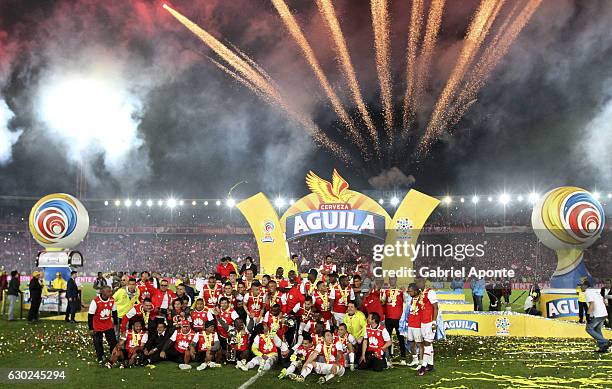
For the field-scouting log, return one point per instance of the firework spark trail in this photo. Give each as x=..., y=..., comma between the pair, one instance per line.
x=416, y=20
x=228, y=55
x=297, y=34
x=253, y=64
x=240, y=79
x=432, y=28
x=467, y=96
x=493, y=55
x=344, y=59
x=380, y=25
x=257, y=80
x=477, y=31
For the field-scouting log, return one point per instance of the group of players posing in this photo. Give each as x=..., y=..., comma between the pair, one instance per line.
x=300, y=324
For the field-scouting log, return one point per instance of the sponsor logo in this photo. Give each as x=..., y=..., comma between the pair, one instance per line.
x=403, y=228
x=562, y=307
x=502, y=324
x=467, y=325
x=335, y=193
x=352, y=222
x=268, y=228
x=334, y=207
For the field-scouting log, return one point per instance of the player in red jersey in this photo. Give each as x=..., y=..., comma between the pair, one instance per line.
x=327, y=267
x=162, y=299
x=348, y=342
x=393, y=300
x=145, y=286
x=225, y=316
x=240, y=342
x=293, y=279
x=130, y=346
x=254, y=304
x=178, y=347
x=294, y=301
x=375, y=343
x=176, y=315
x=321, y=299
x=309, y=285
x=429, y=316
x=211, y=292
x=280, y=279
x=265, y=347
x=300, y=354
x=207, y=348
x=371, y=303
x=333, y=360
x=274, y=296
x=199, y=315
x=229, y=294
x=275, y=319
x=304, y=313
x=101, y=319
x=318, y=331
x=144, y=312
x=340, y=295
x=414, y=334
x=248, y=279
x=233, y=280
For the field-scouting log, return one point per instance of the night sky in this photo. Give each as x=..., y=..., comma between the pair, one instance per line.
x=544, y=117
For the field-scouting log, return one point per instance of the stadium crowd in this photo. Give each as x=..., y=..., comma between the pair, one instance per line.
x=176, y=251
x=188, y=253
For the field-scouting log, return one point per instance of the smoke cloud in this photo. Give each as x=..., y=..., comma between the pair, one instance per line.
x=393, y=178
x=7, y=137
x=596, y=148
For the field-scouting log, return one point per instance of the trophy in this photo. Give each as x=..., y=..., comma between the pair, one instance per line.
x=58, y=222
x=568, y=220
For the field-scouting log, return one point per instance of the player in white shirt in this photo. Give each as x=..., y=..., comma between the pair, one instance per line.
x=597, y=314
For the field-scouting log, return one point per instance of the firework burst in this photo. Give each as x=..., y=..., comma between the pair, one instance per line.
x=479, y=55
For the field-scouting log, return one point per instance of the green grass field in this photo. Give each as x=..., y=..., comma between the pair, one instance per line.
x=461, y=362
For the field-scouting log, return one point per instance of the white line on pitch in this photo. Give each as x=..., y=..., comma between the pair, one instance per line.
x=251, y=380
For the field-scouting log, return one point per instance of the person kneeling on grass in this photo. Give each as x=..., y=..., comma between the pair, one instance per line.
x=177, y=349
x=265, y=347
x=207, y=348
x=348, y=342
x=333, y=360
x=240, y=345
x=156, y=342
x=130, y=347
x=301, y=353
x=375, y=343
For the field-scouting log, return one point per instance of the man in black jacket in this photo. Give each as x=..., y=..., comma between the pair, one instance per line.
x=72, y=294
x=13, y=293
x=156, y=342
x=35, y=296
x=188, y=289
